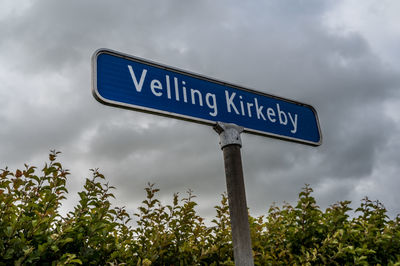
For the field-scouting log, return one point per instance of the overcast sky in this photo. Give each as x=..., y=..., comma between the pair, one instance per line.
x=342, y=57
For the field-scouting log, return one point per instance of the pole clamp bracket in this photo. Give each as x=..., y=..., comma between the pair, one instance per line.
x=229, y=134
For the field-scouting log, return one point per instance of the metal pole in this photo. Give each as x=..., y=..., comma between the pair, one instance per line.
x=230, y=144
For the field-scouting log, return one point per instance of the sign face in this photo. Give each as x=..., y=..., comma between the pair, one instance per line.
x=129, y=82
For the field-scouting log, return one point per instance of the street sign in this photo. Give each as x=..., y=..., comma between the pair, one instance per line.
x=129, y=82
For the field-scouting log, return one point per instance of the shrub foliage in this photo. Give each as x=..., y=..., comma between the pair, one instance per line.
x=33, y=232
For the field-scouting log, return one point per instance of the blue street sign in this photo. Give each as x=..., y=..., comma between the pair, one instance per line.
x=129, y=82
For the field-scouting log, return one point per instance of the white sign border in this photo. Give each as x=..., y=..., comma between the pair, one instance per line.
x=105, y=101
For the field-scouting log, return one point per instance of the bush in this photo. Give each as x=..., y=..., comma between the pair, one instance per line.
x=33, y=232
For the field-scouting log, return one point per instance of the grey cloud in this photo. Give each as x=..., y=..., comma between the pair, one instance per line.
x=277, y=47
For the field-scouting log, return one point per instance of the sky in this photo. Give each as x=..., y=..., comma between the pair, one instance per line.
x=339, y=56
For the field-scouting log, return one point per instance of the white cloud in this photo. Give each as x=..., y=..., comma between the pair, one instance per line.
x=377, y=21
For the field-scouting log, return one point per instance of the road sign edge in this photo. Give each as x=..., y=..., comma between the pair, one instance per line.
x=105, y=101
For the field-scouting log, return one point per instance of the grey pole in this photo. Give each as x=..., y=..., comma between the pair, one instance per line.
x=230, y=144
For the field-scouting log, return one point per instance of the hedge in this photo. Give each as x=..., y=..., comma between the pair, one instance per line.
x=33, y=232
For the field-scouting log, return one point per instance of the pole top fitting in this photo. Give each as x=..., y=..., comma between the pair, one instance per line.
x=229, y=134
